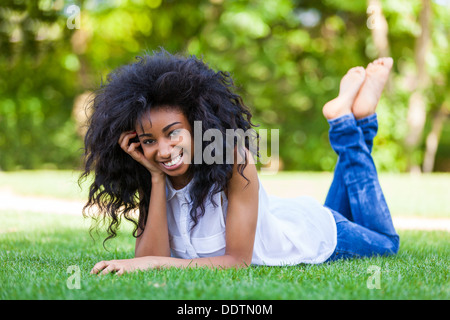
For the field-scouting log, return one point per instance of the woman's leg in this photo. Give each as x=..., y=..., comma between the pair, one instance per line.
x=362, y=105
x=350, y=85
x=369, y=127
x=371, y=231
x=337, y=197
x=356, y=241
x=359, y=175
x=355, y=198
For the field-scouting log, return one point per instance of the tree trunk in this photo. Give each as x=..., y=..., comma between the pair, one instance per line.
x=378, y=26
x=433, y=137
x=417, y=103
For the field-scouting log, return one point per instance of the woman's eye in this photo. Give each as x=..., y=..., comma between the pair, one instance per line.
x=174, y=133
x=148, y=141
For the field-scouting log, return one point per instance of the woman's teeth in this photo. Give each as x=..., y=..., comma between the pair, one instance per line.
x=174, y=161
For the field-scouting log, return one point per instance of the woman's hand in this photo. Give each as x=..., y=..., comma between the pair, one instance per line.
x=136, y=153
x=126, y=265
x=120, y=267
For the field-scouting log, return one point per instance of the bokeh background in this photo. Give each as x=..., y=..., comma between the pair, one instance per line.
x=287, y=57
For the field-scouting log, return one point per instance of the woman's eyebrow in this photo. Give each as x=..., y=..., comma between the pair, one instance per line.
x=164, y=129
x=168, y=126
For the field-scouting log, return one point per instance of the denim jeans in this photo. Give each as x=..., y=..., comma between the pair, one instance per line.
x=355, y=198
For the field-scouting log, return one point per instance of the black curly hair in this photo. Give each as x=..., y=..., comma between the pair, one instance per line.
x=157, y=79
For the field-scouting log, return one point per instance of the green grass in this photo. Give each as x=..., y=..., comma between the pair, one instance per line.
x=54, y=183
x=423, y=195
x=36, y=251
x=407, y=195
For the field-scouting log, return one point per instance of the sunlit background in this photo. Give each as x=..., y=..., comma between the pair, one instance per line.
x=287, y=57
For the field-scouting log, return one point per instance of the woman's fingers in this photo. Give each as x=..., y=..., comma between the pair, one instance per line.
x=130, y=148
x=99, y=267
x=124, y=139
x=120, y=272
x=110, y=268
x=135, y=152
x=105, y=267
x=126, y=136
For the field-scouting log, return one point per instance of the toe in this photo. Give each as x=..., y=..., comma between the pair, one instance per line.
x=357, y=70
x=388, y=62
x=385, y=61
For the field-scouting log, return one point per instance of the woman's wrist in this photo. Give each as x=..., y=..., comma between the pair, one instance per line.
x=158, y=178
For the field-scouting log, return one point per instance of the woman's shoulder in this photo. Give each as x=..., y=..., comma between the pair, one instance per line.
x=244, y=174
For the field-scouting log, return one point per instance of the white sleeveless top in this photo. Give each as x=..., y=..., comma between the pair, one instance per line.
x=288, y=232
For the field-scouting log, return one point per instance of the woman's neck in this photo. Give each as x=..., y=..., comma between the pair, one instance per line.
x=180, y=182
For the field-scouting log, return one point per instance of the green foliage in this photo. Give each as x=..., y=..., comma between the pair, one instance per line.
x=287, y=57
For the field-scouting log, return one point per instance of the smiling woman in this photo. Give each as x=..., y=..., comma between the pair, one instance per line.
x=201, y=213
x=168, y=146
x=157, y=101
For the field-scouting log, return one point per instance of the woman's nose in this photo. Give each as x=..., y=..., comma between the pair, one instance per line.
x=164, y=150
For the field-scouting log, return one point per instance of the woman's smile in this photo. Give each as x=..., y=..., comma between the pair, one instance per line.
x=165, y=136
x=175, y=163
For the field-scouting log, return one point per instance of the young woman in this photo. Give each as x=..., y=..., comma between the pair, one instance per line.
x=140, y=146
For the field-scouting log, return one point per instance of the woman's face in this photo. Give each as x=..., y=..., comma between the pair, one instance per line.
x=167, y=142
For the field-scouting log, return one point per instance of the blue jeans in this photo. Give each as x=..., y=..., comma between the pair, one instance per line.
x=355, y=198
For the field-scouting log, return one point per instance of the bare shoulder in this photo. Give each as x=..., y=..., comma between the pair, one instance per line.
x=245, y=175
x=242, y=212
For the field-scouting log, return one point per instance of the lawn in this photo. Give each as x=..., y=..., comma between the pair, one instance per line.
x=49, y=256
x=38, y=250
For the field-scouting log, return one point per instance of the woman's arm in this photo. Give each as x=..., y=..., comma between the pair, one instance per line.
x=154, y=240
x=242, y=216
x=241, y=222
x=152, y=262
x=242, y=213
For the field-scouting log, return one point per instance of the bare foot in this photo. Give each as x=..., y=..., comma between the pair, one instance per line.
x=377, y=74
x=348, y=89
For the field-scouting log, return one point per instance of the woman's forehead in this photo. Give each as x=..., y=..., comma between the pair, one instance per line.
x=161, y=116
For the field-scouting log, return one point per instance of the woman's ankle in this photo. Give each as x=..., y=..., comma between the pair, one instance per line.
x=367, y=120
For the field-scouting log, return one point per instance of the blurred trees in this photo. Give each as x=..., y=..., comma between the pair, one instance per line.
x=286, y=55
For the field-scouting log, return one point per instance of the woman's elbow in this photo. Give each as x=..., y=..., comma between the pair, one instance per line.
x=139, y=251
x=241, y=261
